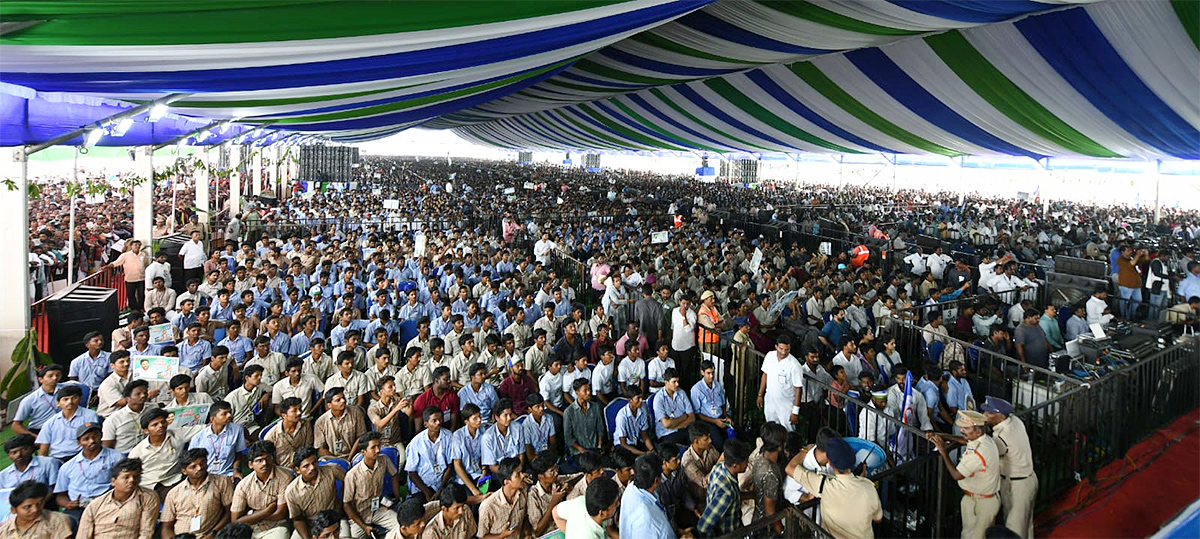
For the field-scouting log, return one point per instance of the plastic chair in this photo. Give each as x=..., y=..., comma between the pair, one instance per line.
x=266, y=430
x=387, y=477
x=336, y=461
x=87, y=392
x=408, y=330
x=934, y=351
x=650, y=410
x=610, y=414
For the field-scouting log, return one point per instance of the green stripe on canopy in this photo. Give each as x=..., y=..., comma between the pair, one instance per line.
x=812, y=12
x=749, y=106
x=1189, y=15
x=675, y=106
x=655, y=40
x=654, y=126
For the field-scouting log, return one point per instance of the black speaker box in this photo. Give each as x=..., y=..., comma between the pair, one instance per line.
x=76, y=311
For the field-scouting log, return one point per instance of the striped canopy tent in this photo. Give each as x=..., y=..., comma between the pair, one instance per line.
x=1110, y=78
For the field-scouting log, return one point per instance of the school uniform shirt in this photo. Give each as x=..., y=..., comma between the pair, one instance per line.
x=244, y=402
x=568, y=379
x=111, y=390
x=485, y=397
x=364, y=484
x=497, y=446
x=428, y=458
x=192, y=355
x=630, y=425
x=353, y=387
x=305, y=500
x=655, y=370
x=123, y=427
x=59, y=433
x=208, y=501
x=48, y=525
x=672, y=406
x=41, y=469
x=160, y=464
x=251, y=493
x=337, y=435
x=84, y=478
x=412, y=382
x=212, y=382
x=468, y=449
x=286, y=443
x=537, y=434
x=37, y=408
x=303, y=390
x=643, y=516
x=321, y=368
x=462, y=528
x=498, y=514
x=222, y=448
x=107, y=518
x=90, y=371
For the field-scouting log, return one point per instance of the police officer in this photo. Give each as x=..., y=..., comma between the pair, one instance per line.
x=977, y=473
x=1018, y=481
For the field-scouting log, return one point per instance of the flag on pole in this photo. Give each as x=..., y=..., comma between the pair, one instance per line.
x=902, y=442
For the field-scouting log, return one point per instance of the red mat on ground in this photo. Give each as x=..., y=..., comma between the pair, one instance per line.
x=1135, y=496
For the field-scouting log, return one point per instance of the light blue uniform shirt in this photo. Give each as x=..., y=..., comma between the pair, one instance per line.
x=538, y=434
x=37, y=408
x=708, y=401
x=497, y=446
x=40, y=469
x=428, y=459
x=469, y=450
x=411, y=312
x=485, y=399
x=151, y=350
x=83, y=478
x=59, y=433
x=240, y=348
x=630, y=426
x=957, y=393
x=90, y=372
x=222, y=448
x=192, y=356
x=643, y=516
x=300, y=343
x=667, y=406
x=930, y=391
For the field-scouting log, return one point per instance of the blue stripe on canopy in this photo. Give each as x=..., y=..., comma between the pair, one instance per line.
x=660, y=67
x=658, y=113
x=972, y=11
x=704, y=104
x=716, y=27
x=1072, y=44
x=398, y=65
x=634, y=124
x=887, y=75
x=769, y=85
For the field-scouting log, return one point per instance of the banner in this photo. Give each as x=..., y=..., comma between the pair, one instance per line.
x=391, y=204
x=187, y=416
x=660, y=237
x=510, y=190
x=162, y=334
x=756, y=261
x=155, y=368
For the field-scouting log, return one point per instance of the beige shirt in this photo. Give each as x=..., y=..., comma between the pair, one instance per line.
x=498, y=514
x=210, y=501
x=212, y=382
x=374, y=375
x=303, y=391
x=396, y=359
x=354, y=386
x=243, y=402
x=391, y=432
x=980, y=466
x=321, y=367
x=462, y=528
x=272, y=366
x=305, y=500
x=50, y=525
x=256, y=495
x=414, y=382
x=848, y=503
x=287, y=443
x=1012, y=444
x=124, y=427
x=107, y=518
x=337, y=435
x=696, y=468
x=111, y=390
x=160, y=464
x=364, y=484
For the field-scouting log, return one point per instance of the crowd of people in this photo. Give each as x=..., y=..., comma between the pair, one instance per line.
x=418, y=353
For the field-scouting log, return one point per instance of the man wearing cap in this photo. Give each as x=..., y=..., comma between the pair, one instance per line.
x=1018, y=480
x=849, y=503
x=977, y=473
x=86, y=475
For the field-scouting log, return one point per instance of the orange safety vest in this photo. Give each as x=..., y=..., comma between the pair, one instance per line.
x=705, y=335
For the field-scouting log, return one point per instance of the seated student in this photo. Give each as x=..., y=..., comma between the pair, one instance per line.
x=550, y=386
x=141, y=343
x=58, y=437
x=123, y=430
x=381, y=365
x=249, y=400
x=578, y=370
x=316, y=362
x=256, y=498
x=37, y=408
x=199, y=504
x=299, y=385
x=274, y=363
x=657, y=366
x=113, y=386
x=502, y=513
x=546, y=492
x=213, y=378
x=30, y=517
x=517, y=385
x=382, y=346
x=193, y=350
x=641, y=513
x=540, y=431
x=591, y=465
x=722, y=507
x=92, y=366
x=291, y=433
x=364, y=488
x=581, y=517
x=336, y=430
x=441, y=396
x=466, y=449
x=672, y=410
x=710, y=405
x=632, y=370
x=455, y=518
x=584, y=427
x=604, y=387
x=223, y=440
x=182, y=395
x=478, y=392
x=460, y=364
x=698, y=461
x=427, y=457
x=390, y=415
x=352, y=345
x=502, y=440
x=112, y=514
x=632, y=432
x=354, y=384
x=673, y=491
x=622, y=462
x=25, y=465
x=412, y=378
x=89, y=472
x=158, y=452
x=312, y=493
x=410, y=520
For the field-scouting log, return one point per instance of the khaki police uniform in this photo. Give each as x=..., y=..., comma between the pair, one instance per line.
x=1018, y=481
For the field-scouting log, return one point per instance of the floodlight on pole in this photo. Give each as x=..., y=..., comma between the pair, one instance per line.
x=157, y=112
x=122, y=127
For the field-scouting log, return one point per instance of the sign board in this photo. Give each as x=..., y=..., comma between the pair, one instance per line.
x=825, y=248
x=756, y=260
x=155, y=368
x=162, y=334
x=376, y=191
x=659, y=237
x=510, y=190
x=530, y=186
x=187, y=416
x=391, y=204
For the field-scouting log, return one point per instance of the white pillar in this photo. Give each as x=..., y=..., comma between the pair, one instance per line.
x=201, y=178
x=277, y=184
x=1157, y=188
x=256, y=170
x=143, y=195
x=235, y=180
x=14, y=241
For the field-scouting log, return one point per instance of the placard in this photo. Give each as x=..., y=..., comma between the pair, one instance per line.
x=530, y=186
x=419, y=248
x=6, y=508
x=155, y=368
x=660, y=237
x=162, y=334
x=756, y=260
x=391, y=204
x=187, y=416
x=825, y=248
x=510, y=190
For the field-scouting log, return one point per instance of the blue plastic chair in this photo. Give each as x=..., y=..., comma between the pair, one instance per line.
x=335, y=461
x=267, y=430
x=650, y=411
x=934, y=351
x=408, y=330
x=87, y=392
x=610, y=414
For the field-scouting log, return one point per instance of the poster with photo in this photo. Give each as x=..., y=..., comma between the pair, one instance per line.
x=187, y=416
x=162, y=334
x=155, y=368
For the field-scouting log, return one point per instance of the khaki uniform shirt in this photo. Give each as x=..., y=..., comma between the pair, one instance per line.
x=106, y=518
x=243, y=402
x=321, y=367
x=1012, y=444
x=391, y=432
x=353, y=387
x=124, y=427
x=304, y=501
x=303, y=391
x=256, y=495
x=498, y=515
x=980, y=466
x=111, y=390
x=287, y=443
x=462, y=528
x=373, y=376
x=210, y=501
x=848, y=503
x=272, y=365
x=50, y=525
x=364, y=485
x=160, y=464
x=338, y=435
x=412, y=383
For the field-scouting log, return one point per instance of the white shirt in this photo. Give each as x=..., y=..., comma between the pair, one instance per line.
x=783, y=379
x=683, y=330
x=193, y=254
x=542, y=249
x=1095, y=311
